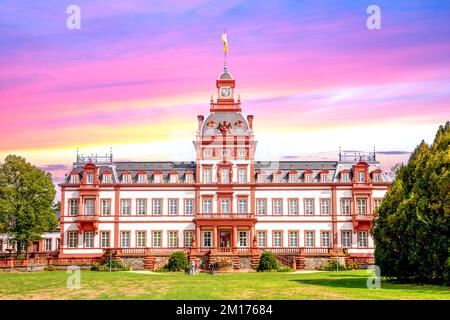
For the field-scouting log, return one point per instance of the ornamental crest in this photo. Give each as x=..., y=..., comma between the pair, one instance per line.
x=224, y=127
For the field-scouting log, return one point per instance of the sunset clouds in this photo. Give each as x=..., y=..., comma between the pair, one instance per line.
x=138, y=72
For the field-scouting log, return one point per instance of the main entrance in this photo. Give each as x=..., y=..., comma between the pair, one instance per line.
x=225, y=239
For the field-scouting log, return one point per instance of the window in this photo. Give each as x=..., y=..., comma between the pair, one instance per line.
x=293, y=238
x=262, y=238
x=73, y=207
x=309, y=206
x=344, y=177
x=292, y=178
x=346, y=239
x=125, y=239
x=207, y=153
x=242, y=153
x=207, y=238
x=276, y=178
x=325, y=239
x=242, y=175
x=361, y=177
x=188, y=236
x=242, y=206
x=293, y=206
x=308, y=177
x=345, y=206
x=277, y=205
x=261, y=178
x=207, y=206
x=261, y=207
x=106, y=207
x=141, y=237
x=188, y=206
x=207, y=176
x=325, y=206
x=361, y=204
x=376, y=205
x=157, y=178
x=225, y=153
x=90, y=178
x=362, y=239
x=157, y=239
x=107, y=178
x=157, y=207
x=73, y=239
x=89, y=239
x=225, y=206
x=277, y=239
x=141, y=206
x=142, y=178
x=126, y=207
x=243, y=238
x=48, y=244
x=104, y=238
x=189, y=178
x=58, y=244
x=376, y=177
x=323, y=178
x=89, y=207
x=173, y=206
x=126, y=178
x=173, y=178
x=225, y=175
x=73, y=178
x=309, y=239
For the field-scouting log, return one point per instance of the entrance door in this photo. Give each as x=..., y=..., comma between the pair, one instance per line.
x=225, y=239
x=36, y=246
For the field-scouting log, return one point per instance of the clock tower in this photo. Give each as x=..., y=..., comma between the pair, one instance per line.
x=225, y=94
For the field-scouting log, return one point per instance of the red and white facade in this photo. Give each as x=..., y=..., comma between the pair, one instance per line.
x=223, y=203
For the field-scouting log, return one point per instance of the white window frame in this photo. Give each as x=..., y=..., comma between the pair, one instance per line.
x=141, y=207
x=207, y=239
x=125, y=239
x=173, y=207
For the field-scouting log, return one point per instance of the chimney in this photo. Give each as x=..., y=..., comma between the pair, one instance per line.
x=250, y=121
x=200, y=121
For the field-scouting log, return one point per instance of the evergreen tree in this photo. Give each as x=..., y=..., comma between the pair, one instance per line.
x=412, y=230
x=26, y=198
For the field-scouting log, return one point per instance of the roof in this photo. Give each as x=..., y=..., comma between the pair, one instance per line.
x=234, y=120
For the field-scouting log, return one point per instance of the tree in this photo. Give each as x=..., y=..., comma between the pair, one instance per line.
x=412, y=230
x=26, y=198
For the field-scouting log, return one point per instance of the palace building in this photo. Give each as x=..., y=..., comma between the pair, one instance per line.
x=224, y=207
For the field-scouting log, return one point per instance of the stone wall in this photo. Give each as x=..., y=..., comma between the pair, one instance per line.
x=314, y=263
x=135, y=263
x=245, y=263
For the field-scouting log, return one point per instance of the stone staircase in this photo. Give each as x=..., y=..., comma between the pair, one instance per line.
x=149, y=263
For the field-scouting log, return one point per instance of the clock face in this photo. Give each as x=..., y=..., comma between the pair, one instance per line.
x=225, y=92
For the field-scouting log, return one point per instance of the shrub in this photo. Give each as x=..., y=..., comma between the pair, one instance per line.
x=115, y=266
x=352, y=265
x=50, y=267
x=267, y=262
x=282, y=268
x=177, y=261
x=333, y=265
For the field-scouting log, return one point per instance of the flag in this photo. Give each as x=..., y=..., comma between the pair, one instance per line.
x=225, y=42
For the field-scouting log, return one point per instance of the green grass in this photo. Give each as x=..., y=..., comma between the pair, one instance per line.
x=128, y=285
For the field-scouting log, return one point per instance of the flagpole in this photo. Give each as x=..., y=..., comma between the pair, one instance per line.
x=225, y=50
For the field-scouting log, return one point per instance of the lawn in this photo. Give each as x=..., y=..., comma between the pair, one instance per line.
x=130, y=285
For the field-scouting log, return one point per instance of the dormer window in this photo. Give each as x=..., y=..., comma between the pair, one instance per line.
x=361, y=177
x=308, y=177
x=107, y=178
x=173, y=178
x=277, y=178
x=74, y=178
x=189, y=178
x=207, y=153
x=126, y=178
x=261, y=177
x=292, y=178
x=157, y=178
x=323, y=178
x=90, y=178
x=142, y=178
x=376, y=177
x=344, y=177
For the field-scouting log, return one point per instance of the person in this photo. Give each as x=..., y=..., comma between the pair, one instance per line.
x=192, y=268
x=195, y=266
